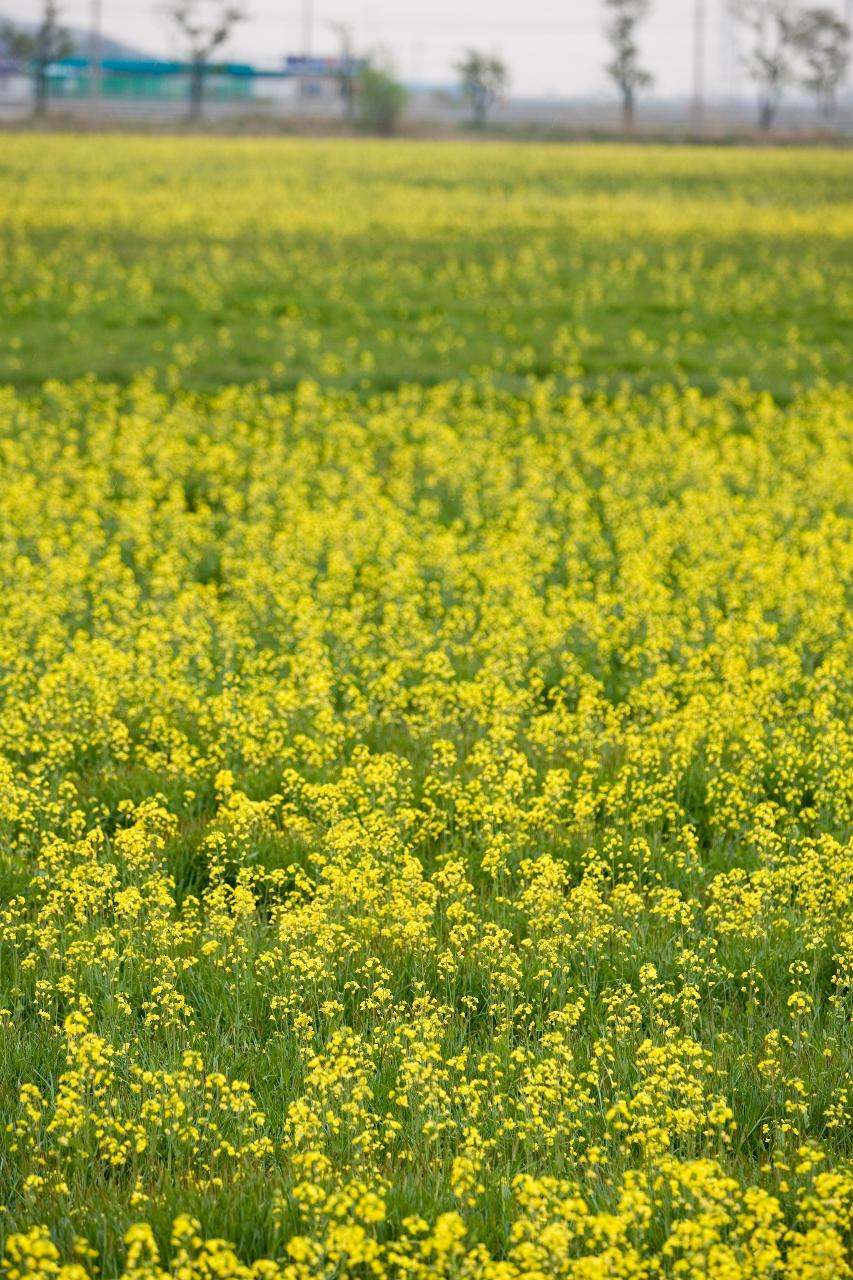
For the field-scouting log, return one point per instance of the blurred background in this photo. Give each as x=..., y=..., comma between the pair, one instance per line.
x=703, y=67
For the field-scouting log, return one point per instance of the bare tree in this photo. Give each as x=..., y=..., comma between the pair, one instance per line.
x=205, y=25
x=823, y=41
x=770, y=61
x=484, y=78
x=48, y=43
x=625, y=69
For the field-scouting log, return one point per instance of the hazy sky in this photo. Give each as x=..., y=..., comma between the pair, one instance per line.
x=552, y=46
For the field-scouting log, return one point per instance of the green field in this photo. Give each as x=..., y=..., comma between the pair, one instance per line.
x=426, y=688
x=375, y=264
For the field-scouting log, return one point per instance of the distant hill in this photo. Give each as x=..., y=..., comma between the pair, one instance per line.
x=81, y=41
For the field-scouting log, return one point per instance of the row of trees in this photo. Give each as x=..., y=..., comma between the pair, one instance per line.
x=809, y=47
x=788, y=45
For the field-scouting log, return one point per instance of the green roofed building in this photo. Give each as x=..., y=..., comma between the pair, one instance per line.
x=152, y=79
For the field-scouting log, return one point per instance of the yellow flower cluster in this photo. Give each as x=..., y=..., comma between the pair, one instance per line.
x=284, y=259
x=425, y=812
x=118, y=1111
x=425, y=828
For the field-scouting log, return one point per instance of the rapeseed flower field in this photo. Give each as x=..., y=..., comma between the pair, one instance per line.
x=426, y=671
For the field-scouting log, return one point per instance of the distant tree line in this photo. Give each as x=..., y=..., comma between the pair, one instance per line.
x=790, y=45
x=787, y=45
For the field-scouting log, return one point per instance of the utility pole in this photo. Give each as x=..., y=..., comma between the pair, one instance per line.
x=95, y=58
x=307, y=26
x=699, y=33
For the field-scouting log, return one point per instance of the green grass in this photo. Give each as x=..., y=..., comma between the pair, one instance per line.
x=424, y=618
x=369, y=264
